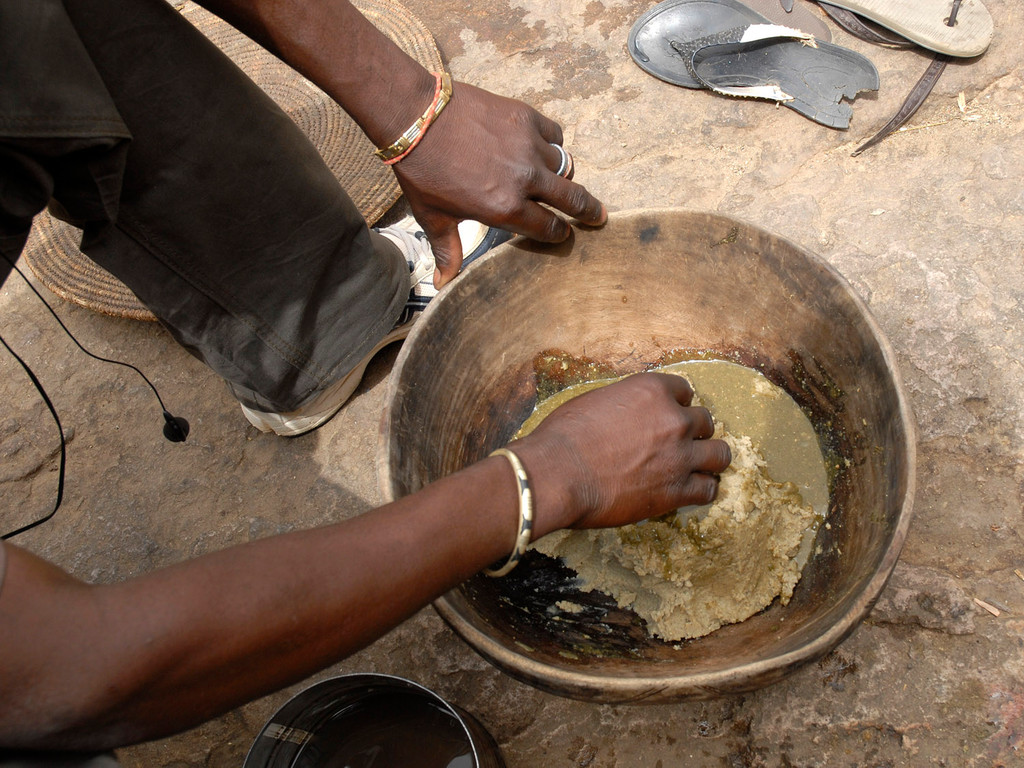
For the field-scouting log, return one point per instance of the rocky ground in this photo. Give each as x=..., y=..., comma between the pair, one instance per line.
x=928, y=227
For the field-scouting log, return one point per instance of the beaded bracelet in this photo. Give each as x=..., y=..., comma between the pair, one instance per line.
x=525, y=515
x=407, y=142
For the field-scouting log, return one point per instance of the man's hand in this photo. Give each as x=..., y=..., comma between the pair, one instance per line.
x=490, y=159
x=616, y=455
x=485, y=158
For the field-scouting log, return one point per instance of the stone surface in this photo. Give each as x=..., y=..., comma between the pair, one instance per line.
x=927, y=597
x=928, y=227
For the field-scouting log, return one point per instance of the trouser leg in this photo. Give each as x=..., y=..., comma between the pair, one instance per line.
x=231, y=229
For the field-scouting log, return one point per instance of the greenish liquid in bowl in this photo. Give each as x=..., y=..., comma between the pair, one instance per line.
x=744, y=402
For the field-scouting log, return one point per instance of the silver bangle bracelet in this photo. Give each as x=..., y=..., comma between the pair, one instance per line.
x=525, y=515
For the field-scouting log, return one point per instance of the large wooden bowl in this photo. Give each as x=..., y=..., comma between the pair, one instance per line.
x=637, y=291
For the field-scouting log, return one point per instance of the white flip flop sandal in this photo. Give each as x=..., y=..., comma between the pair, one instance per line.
x=926, y=22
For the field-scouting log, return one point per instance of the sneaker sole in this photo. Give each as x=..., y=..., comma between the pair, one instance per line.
x=327, y=404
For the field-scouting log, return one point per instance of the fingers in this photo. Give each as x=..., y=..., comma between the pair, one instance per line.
x=708, y=459
x=557, y=191
x=447, y=248
x=709, y=456
x=678, y=386
x=700, y=459
x=549, y=130
x=553, y=187
x=541, y=224
x=703, y=425
x=698, y=489
x=703, y=457
x=571, y=198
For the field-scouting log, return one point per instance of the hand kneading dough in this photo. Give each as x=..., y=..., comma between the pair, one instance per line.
x=692, y=571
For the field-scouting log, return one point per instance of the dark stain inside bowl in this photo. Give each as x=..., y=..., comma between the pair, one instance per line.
x=543, y=604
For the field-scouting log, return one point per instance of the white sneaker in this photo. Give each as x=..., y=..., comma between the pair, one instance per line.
x=407, y=234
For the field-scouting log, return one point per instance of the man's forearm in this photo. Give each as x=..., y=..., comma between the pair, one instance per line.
x=335, y=46
x=94, y=667
x=134, y=661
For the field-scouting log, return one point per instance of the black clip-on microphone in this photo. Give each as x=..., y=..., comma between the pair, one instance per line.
x=175, y=428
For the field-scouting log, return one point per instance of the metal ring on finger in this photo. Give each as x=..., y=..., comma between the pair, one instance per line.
x=565, y=161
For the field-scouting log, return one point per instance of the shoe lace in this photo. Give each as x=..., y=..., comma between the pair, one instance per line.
x=421, y=260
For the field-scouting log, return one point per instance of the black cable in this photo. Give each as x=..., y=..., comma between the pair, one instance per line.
x=77, y=343
x=175, y=428
x=63, y=444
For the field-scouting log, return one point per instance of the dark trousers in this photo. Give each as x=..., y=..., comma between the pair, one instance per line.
x=194, y=189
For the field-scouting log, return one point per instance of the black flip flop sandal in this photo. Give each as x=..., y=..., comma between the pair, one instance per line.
x=725, y=46
x=651, y=39
x=816, y=79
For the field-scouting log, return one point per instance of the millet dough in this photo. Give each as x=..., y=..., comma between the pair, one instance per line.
x=694, y=570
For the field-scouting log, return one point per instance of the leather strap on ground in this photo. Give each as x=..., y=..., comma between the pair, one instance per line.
x=914, y=100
